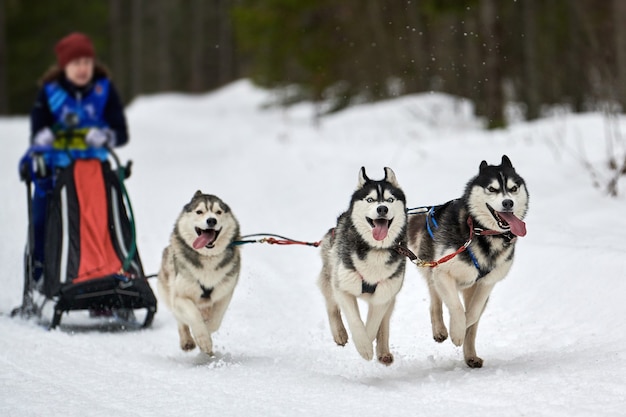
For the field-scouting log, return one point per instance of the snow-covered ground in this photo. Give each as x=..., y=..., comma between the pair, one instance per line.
x=553, y=336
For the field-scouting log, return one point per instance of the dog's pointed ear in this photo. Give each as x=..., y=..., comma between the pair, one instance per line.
x=483, y=165
x=197, y=194
x=506, y=162
x=390, y=177
x=362, y=178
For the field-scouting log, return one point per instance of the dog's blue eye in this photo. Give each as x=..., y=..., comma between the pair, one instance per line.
x=370, y=200
x=492, y=189
x=390, y=200
x=514, y=189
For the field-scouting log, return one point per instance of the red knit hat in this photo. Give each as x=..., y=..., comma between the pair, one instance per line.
x=73, y=46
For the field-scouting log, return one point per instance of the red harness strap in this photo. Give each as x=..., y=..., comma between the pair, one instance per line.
x=431, y=264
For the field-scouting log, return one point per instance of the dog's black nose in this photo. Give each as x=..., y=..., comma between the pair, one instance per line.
x=382, y=210
x=211, y=221
x=507, y=204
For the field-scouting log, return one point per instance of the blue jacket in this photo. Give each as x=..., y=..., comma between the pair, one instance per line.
x=109, y=110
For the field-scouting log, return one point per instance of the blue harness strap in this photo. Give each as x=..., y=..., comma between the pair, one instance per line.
x=481, y=272
x=430, y=219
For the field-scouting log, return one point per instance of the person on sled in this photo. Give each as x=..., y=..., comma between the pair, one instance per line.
x=77, y=113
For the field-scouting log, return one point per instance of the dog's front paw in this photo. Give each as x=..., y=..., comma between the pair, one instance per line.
x=186, y=342
x=205, y=344
x=440, y=334
x=340, y=336
x=187, y=345
x=185, y=339
x=474, y=362
x=386, y=359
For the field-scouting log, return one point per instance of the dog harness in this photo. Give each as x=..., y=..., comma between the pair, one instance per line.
x=508, y=236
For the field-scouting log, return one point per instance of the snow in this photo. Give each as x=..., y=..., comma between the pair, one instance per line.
x=553, y=336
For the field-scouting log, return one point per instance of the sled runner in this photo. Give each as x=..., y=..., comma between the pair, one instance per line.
x=80, y=252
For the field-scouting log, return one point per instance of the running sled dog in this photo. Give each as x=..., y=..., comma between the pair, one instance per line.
x=359, y=262
x=200, y=269
x=488, y=219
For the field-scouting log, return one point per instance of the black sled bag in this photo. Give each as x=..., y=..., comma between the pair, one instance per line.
x=91, y=260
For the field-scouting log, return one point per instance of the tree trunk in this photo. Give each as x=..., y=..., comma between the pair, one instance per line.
x=4, y=91
x=136, y=49
x=417, y=80
x=226, y=48
x=379, y=54
x=116, y=28
x=473, y=73
x=197, y=46
x=530, y=88
x=491, y=36
x=619, y=17
x=579, y=57
x=164, y=30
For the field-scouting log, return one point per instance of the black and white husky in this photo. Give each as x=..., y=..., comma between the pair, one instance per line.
x=487, y=220
x=360, y=262
x=200, y=269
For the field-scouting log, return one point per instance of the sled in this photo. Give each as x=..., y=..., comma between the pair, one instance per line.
x=90, y=259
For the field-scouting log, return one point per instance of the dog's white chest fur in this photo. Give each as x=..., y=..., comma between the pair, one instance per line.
x=374, y=269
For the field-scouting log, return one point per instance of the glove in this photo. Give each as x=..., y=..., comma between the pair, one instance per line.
x=97, y=138
x=44, y=137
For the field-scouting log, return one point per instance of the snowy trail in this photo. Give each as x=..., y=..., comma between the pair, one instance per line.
x=552, y=336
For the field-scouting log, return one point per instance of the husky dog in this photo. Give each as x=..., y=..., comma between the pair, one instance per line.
x=200, y=269
x=359, y=261
x=489, y=217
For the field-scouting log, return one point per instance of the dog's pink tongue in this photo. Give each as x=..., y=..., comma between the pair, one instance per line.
x=518, y=227
x=206, y=237
x=381, y=227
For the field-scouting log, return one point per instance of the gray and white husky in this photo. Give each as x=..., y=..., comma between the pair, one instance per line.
x=360, y=262
x=489, y=217
x=200, y=269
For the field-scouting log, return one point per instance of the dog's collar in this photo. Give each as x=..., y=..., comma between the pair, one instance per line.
x=508, y=236
x=479, y=231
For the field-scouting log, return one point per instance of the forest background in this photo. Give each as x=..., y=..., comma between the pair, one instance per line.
x=537, y=55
